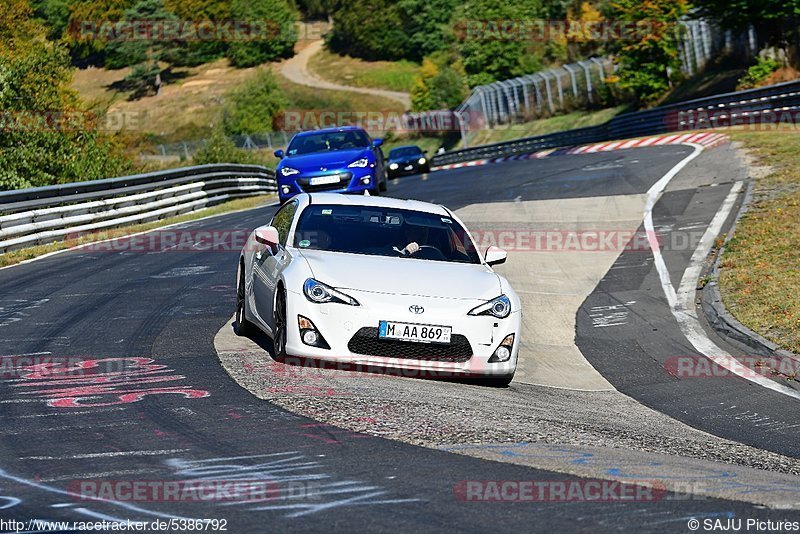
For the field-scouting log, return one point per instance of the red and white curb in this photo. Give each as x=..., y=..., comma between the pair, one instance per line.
x=706, y=139
x=534, y=155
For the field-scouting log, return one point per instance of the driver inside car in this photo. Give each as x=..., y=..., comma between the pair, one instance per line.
x=413, y=235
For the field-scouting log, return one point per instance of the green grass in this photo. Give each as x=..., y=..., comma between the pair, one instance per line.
x=16, y=256
x=309, y=99
x=345, y=70
x=558, y=123
x=760, y=268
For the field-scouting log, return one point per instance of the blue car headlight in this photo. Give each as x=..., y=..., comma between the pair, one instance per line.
x=288, y=171
x=359, y=163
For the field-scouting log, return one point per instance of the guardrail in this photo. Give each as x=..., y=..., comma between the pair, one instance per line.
x=752, y=106
x=46, y=214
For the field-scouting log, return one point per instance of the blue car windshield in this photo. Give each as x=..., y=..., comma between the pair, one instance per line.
x=327, y=141
x=380, y=231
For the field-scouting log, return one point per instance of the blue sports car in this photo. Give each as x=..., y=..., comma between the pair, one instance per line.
x=342, y=160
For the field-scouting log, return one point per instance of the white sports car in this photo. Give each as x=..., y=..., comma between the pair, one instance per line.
x=381, y=282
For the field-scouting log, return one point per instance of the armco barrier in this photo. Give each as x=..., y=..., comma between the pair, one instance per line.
x=741, y=107
x=45, y=214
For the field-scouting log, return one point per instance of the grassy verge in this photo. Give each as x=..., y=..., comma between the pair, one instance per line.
x=576, y=119
x=16, y=256
x=345, y=70
x=760, y=270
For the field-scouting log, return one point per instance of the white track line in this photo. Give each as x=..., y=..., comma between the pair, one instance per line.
x=681, y=303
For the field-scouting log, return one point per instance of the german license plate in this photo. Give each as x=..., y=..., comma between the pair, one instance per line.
x=323, y=180
x=417, y=333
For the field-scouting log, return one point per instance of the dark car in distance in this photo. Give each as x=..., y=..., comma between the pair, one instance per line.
x=407, y=160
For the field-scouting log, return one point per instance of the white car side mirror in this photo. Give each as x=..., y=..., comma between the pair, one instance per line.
x=268, y=235
x=495, y=256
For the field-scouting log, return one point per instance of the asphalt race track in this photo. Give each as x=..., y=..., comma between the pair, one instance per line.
x=151, y=385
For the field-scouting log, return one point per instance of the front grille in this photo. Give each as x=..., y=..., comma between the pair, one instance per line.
x=366, y=341
x=344, y=181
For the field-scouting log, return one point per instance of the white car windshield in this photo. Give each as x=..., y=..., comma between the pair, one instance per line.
x=384, y=232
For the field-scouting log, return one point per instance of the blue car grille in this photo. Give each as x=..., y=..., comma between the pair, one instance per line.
x=344, y=181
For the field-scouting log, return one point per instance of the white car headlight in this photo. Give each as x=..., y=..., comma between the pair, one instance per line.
x=422, y=161
x=320, y=293
x=393, y=166
x=288, y=171
x=360, y=163
x=499, y=307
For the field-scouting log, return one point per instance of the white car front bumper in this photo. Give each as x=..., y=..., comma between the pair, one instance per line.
x=351, y=333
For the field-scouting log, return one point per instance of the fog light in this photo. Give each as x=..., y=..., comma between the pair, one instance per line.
x=365, y=180
x=309, y=334
x=310, y=337
x=285, y=189
x=503, y=352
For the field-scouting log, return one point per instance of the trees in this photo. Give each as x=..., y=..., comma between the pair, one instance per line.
x=646, y=61
x=47, y=137
x=146, y=52
x=441, y=84
x=387, y=29
x=85, y=17
x=489, y=54
x=281, y=37
x=775, y=21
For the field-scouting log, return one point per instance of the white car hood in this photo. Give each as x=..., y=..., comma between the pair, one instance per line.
x=403, y=276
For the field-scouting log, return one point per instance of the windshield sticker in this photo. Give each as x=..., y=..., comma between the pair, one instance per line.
x=446, y=220
x=305, y=243
x=327, y=212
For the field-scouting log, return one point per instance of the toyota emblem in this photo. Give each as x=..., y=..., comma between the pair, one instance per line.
x=414, y=308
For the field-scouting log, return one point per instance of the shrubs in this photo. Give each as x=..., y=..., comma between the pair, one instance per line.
x=253, y=107
x=220, y=149
x=758, y=73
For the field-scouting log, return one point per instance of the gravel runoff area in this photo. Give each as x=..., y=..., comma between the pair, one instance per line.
x=436, y=413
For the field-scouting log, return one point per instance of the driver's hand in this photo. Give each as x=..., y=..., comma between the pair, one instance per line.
x=411, y=248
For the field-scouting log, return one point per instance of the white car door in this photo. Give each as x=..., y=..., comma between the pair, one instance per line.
x=269, y=263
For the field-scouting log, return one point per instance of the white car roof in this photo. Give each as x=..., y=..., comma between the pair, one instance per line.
x=381, y=202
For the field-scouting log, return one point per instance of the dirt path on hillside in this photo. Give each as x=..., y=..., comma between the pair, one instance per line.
x=296, y=70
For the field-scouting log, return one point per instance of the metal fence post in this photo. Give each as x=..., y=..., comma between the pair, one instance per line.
x=568, y=68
